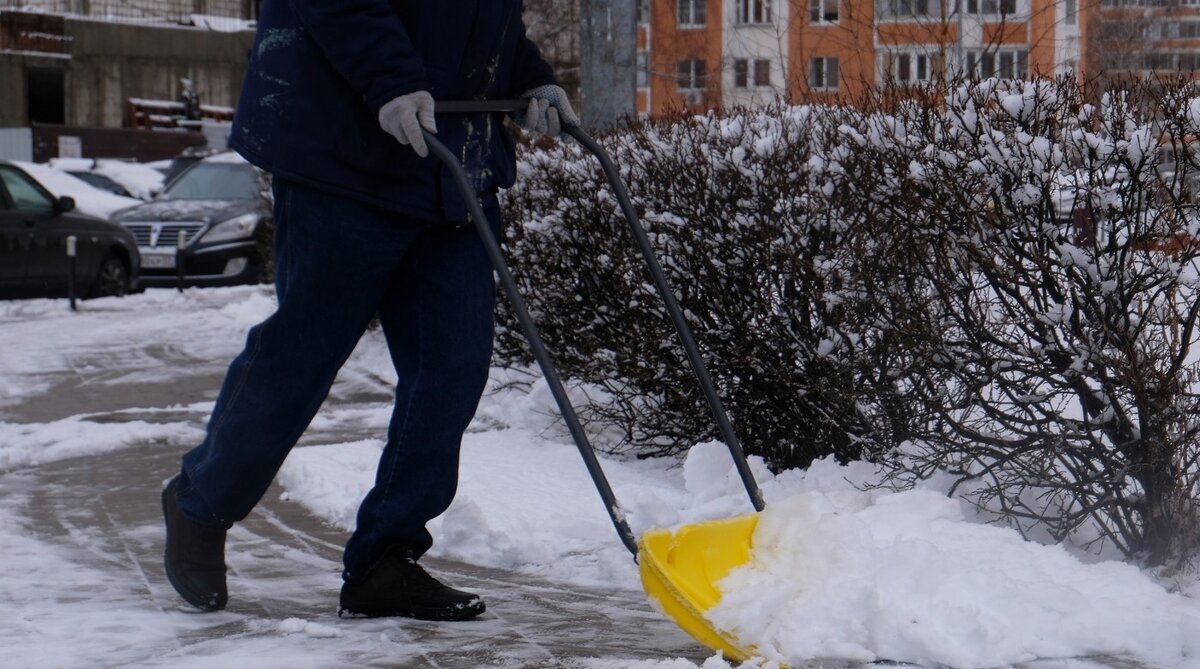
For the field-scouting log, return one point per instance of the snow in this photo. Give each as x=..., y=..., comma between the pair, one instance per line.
x=840, y=570
x=29, y=445
x=904, y=577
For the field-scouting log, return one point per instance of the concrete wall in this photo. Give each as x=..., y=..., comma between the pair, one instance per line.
x=105, y=64
x=16, y=144
x=151, y=9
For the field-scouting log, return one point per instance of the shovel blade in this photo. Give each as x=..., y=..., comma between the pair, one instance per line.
x=680, y=570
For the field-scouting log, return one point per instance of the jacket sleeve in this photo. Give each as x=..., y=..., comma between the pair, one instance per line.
x=367, y=44
x=530, y=69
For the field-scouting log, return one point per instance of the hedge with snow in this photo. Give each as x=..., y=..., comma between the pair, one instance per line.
x=995, y=280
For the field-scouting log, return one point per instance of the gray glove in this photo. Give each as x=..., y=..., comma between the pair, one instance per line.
x=404, y=117
x=549, y=110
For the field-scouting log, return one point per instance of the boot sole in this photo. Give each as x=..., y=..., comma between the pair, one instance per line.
x=439, y=614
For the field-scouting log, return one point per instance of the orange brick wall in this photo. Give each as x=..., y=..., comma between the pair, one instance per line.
x=851, y=41
x=671, y=44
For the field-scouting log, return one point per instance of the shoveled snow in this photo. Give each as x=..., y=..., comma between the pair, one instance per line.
x=904, y=577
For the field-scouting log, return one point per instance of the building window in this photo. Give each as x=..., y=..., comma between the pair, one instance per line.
x=909, y=9
x=643, y=70
x=741, y=72
x=692, y=13
x=753, y=11
x=762, y=72
x=643, y=11
x=992, y=7
x=823, y=11
x=823, y=74
x=1003, y=63
x=1071, y=9
x=1180, y=30
x=908, y=67
x=690, y=75
x=1123, y=31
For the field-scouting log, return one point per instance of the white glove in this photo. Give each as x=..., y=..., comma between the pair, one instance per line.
x=549, y=109
x=404, y=117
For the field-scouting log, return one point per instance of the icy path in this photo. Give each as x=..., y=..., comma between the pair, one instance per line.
x=84, y=587
x=82, y=537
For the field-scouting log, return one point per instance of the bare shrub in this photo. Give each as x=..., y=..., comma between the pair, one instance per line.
x=1066, y=298
x=996, y=280
x=764, y=266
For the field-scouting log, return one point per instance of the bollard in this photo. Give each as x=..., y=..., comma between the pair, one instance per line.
x=180, y=243
x=71, y=242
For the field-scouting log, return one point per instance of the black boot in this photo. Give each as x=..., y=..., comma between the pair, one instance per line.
x=195, y=555
x=398, y=586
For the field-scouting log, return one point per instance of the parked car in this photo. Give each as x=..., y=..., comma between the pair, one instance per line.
x=210, y=226
x=34, y=227
x=88, y=199
x=120, y=177
x=186, y=158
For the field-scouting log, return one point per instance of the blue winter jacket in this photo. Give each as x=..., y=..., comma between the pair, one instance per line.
x=321, y=69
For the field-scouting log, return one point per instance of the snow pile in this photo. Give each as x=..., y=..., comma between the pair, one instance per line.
x=905, y=577
x=837, y=572
x=37, y=443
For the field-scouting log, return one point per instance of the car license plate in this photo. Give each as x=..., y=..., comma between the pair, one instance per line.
x=158, y=259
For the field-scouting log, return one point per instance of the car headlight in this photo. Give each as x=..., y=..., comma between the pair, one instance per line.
x=239, y=227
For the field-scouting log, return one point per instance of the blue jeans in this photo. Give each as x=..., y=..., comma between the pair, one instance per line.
x=339, y=263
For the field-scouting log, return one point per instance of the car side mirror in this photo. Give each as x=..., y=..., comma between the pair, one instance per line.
x=64, y=204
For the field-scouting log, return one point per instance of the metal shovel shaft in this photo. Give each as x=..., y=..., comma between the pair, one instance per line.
x=672, y=304
x=540, y=353
x=549, y=371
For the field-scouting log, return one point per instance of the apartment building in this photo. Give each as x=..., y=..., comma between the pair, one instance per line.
x=1137, y=37
x=706, y=53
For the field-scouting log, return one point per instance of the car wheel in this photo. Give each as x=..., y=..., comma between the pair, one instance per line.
x=113, y=278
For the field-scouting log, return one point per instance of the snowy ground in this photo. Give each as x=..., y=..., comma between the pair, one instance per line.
x=96, y=406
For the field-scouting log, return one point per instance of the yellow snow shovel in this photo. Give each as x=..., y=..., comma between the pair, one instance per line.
x=679, y=569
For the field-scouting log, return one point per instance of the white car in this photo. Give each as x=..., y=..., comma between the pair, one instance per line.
x=121, y=177
x=88, y=199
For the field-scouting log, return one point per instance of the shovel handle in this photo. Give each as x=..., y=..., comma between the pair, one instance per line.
x=681, y=327
x=541, y=354
x=549, y=371
x=479, y=106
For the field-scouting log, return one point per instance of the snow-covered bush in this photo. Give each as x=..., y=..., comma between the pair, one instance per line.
x=998, y=282
x=762, y=264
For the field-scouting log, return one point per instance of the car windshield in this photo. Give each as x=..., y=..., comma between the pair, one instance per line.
x=102, y=182
x=214, y=181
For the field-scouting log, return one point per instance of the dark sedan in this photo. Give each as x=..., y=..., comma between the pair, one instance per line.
x=34, y=231
x=211, y=226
